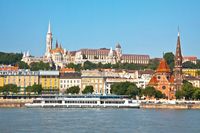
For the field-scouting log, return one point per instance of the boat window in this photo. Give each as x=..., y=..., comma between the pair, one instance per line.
x=129, y=101
x=37, y=101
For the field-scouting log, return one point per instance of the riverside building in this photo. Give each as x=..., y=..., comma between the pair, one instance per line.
x=22, y=78
x=49, y=80
x=69, y=79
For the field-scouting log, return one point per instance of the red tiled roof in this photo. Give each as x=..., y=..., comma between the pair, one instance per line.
x=163, y=67
x=153, y=80
x=57, y=50
x=190, y=58
x=63, y=70
x=9, y=68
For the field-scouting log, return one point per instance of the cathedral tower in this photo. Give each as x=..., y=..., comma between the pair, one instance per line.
x=178, y=65
x=49, y=40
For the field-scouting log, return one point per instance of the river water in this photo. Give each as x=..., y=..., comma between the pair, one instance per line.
x=55, y=120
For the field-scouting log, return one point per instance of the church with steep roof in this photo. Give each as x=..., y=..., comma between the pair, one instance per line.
x=164, y=79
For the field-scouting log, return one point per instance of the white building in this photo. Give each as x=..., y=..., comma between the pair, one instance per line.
x=68, y=80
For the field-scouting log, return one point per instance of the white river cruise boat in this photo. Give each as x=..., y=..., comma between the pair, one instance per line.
x=84, y=101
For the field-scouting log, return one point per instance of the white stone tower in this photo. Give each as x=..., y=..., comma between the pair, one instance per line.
x=49, y=40
x=118, y=52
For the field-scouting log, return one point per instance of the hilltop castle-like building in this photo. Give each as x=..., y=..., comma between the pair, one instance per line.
x=166, y=81
x=60, y=57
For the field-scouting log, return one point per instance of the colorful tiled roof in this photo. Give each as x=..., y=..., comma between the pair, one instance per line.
x=153, y=80
x=163, y=67
x=189, y=58
x=57, y=50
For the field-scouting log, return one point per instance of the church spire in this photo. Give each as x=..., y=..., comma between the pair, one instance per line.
x=178, y=65
x=49, y=27
x=49, y=39
x=178, y=56
x=56, y=43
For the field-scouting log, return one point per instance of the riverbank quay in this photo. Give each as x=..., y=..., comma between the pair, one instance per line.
x=14, y=103
x=169, y=104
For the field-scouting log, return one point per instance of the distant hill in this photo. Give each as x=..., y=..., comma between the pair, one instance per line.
x=10, y=58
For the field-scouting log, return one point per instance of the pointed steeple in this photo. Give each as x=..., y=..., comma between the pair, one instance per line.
x=49, y=28
x=56, y=43
x=110, y=52
x=49, y=40
x=178, y=65
x=178, y=56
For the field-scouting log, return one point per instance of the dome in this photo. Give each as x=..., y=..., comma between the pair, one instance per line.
x=118, y=46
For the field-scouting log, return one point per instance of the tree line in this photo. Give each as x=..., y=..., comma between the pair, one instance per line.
x=188, y=92
x=130, y=89
x=14, y=89
x=76, y=90
x=34, y=66
x=10, y=58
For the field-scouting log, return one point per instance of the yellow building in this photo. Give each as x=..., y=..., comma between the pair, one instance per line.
x=191, y=72
x=22, y=78
x=49, y=79
x=1, y=81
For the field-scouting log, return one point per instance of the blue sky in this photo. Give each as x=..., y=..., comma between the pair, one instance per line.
x=140, y=26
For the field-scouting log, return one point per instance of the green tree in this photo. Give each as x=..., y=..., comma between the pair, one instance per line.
x=88, y=90
x=1, y=89
x=189, y=64
x=35, y=66
x=159, y=94
x=153, y=64
x=77, y=67
x=169, y=57
x=107, y=65
x=179, y=94
x=29, y=89
x=188, y=90
x=198, y=64
x=132, y=91
x=196, y=94
x=149, y=91
x=89, y=65
x=125, y=88
x=22, y=65
x=10, y=88
x=10, y=58
x=37, y=88
x=73, y=90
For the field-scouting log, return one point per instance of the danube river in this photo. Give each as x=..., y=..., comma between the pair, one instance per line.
x=54, y=120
